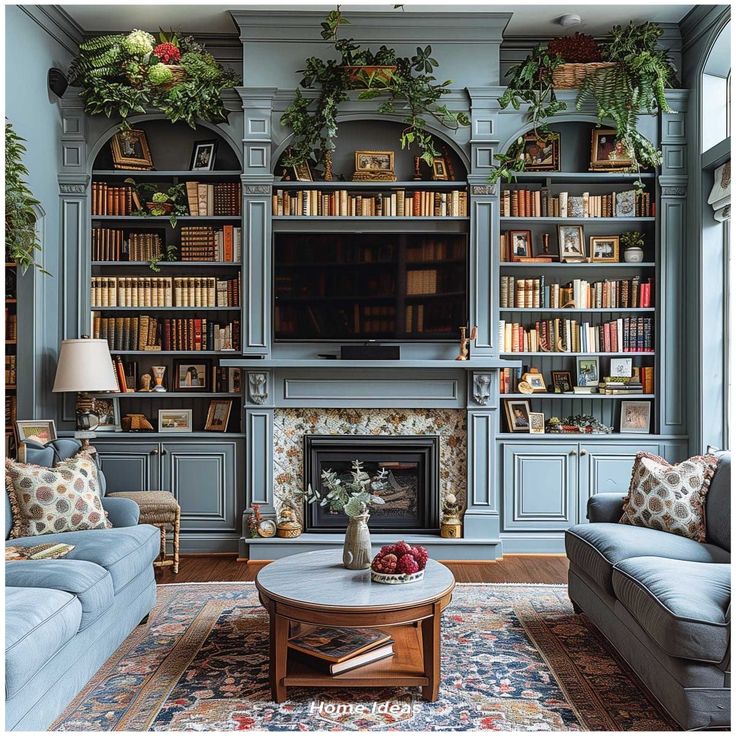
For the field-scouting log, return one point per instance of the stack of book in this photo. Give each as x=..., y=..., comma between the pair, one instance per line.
x=615, y=386
x=108, y=199
x=124, y=291
x=204, y=243
x=11, y=325
x=200, y=291
x=433, y=250
x=207, y=200
x=530, y=202
x=11, y=409
x=10, y=375
x=334, y=650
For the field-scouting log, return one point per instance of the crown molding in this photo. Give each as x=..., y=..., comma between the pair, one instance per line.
x=57, y=23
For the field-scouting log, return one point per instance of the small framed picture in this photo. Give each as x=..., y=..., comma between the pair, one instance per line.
x=517, y=415
x=234, y=385
x=536, y=422
x=302, y=172
x=536, y=381
x=191, y=375
x=382, y=161
x=218, y=415
x=562, y=380
x=604, y=248
x=174, y=420
x=587, y=371
x=130, y=150
x=635, y=416
x=521, y=244
x=542, y=154
x=439, y=169
x=36, y=430
x=108, y=412
x=571, y=243
x=204, y=155
x=607, y=151
x=621, y=367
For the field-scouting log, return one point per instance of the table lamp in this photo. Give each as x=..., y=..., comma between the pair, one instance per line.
x=85, y=366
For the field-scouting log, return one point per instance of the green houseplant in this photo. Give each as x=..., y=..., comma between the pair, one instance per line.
x=407, y=83
x=130, y=73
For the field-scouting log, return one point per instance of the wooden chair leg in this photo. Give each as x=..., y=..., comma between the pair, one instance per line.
x=163, y=542
x=177, y=524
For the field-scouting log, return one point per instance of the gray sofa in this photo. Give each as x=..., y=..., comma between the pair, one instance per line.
x=64, y=618
x=663, y=601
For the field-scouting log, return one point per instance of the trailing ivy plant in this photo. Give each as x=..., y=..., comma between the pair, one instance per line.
x=21, y=239
x=130, y=73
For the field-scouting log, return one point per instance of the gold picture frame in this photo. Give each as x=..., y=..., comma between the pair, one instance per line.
x=604, y=248
x=517, y=415
x=130, y=150
x=607, y=151
x=374, y=166
x=439, y=169
x=302, y=172
x=218, y=415
x=542, y=153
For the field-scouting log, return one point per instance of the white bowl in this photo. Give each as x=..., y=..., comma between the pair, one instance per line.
x=396, y=578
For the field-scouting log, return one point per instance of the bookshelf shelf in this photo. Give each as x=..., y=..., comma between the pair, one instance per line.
x=141, y=220
x=513, y=264
x=581, y=177
x=330, y=185
x=571, y=310
x=578, y=220
x=559, y=354
x=171, y=395
x=166, y=309
x=562, y=397
x=174, y=352
x=126, y=173
x=168, y=264
x=323, y=218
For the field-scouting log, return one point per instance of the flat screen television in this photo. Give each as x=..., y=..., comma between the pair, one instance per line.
x=342, y=287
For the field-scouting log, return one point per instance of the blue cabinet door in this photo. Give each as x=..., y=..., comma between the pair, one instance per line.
x=129, y=466
x=539, y=486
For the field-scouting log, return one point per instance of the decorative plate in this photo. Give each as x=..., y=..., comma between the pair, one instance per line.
x=396, y=578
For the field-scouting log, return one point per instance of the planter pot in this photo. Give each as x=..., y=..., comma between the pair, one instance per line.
x=358, y=74
x=356, y=553
x=571, y=76
x=168, y=207
x=635, y=254
x=397, y=578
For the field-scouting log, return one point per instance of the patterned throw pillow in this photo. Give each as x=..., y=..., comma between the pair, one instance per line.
x=65, y=498
x=669, y=497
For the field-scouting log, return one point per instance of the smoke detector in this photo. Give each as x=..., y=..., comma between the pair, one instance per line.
x=570, y=20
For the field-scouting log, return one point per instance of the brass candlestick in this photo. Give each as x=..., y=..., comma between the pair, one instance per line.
x=465, y=341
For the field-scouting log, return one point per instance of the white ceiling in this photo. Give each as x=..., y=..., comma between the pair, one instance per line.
x=527, y=20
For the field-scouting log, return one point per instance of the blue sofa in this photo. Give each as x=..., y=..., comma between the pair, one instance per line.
x=64, y=618
x=663, y=601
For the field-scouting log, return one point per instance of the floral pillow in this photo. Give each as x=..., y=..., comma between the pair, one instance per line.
x=670, y=498
x=65, y=498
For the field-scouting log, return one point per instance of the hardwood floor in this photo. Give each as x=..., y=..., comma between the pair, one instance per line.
x=511, y=569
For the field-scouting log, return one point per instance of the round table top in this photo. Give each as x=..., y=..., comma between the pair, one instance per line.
x=319, y=579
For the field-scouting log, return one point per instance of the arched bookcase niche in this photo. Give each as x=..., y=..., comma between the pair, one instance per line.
x=380, y=134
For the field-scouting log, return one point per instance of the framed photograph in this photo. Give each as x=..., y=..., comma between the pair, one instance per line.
x=108, y=412
x=635, y=416
x=542, y=154
x=587, y=371
x=604, y=248
x=204, y=155
x=302, y=172
x=571, y=243
x=521, y=244
x=36, y=430
x=563, y=381
x=174, y=420
x=379, y=161
x=439, y=169
x=621, y=367
x=218, y=415
x=517, y=415
x=536, y=381
x=607, y=151
x=536, y=422
x=130, y=150
x=234, y=385
x=191, y=375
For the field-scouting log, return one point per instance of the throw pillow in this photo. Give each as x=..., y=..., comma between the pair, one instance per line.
x=669, y=497
x=64, y=498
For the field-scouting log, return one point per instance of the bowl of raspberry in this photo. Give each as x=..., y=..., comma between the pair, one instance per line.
x=399, y=563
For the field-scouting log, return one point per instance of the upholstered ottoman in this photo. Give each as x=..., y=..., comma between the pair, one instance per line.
x=160, y=509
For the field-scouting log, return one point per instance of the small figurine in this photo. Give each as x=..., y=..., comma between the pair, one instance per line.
x=451, y=526
x=145, y=382
x=465, y=341
x=288, y=526
x=253, y=520
x=545, y=244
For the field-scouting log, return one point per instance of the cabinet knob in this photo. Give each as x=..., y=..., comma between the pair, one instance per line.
x=572, y=452
x=583, y=452
x=154, y=451
x=164, y=451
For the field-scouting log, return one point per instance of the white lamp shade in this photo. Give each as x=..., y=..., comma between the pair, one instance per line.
x=84, y=365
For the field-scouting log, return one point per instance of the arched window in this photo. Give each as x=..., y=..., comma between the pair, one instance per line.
x=716, y=97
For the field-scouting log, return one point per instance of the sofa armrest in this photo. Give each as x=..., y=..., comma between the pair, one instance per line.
x=605, y=507
x=121, y=511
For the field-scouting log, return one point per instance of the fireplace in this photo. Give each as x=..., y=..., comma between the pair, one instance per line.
x=412, y=463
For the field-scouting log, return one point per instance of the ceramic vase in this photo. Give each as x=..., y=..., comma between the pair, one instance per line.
x=635, y=254
x=356, y=554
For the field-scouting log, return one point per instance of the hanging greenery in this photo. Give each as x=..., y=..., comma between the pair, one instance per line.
x=631, y=84
x=125, y=74
x=21, y=240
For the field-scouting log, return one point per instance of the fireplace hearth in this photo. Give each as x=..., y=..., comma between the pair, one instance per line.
x=412, y=463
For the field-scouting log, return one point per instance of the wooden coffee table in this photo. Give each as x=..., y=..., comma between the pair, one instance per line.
x=315, y=589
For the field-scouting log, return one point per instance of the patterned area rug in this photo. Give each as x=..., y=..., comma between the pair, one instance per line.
x=514, y=658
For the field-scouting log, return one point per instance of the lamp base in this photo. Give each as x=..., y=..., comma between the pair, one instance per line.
x=87, y=419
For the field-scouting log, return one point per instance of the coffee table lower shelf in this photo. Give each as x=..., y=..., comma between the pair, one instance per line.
x=404, y=669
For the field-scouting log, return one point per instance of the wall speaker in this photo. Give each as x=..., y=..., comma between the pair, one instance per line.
x=57, y=81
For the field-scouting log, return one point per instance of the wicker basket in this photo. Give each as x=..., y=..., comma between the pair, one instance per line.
x=180, y=74
x=570, y=76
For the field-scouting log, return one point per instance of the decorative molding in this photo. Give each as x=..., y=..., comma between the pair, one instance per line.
x=481, y=388
x=72, y=188
x=258, y=189
x=258, y=387
x=483, y=189
x=674, y=191
x=57, y=23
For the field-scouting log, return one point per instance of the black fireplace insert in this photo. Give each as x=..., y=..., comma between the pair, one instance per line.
x=412, y=493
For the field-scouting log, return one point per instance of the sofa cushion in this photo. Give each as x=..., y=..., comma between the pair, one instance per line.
x=38, y=622
x=596, y=548
x=682, y=605
x=670, y=498
x=123, y=552
x=718, y=504
x=91, y=583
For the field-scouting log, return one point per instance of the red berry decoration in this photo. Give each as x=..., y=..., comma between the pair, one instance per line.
x=421, y=556
x=407, y=565
x=402, y=548
x=385, y=563
x=387, y=549
x=167, y=52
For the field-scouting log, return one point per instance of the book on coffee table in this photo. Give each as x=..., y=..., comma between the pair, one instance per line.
x=338, y=650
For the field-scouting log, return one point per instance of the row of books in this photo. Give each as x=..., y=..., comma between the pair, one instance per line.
x=421, y=281
x=221, y=199
x=531, y=202
x=623, y=335
x=344, y=203
x=165, y=291
x=11, y=409
x=114, y=199
x=205, y=243
x=577, y=294
x=110, y=244
x=10, y=370
x=148, y=333
x=11, y=325
x=435, y=250
x=640, y=382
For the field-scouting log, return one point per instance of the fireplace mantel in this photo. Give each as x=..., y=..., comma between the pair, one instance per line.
x=468, y=365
